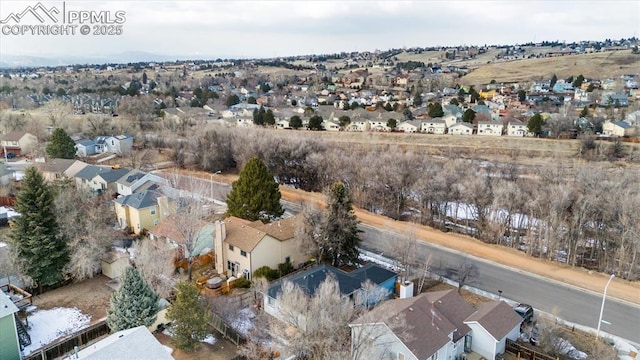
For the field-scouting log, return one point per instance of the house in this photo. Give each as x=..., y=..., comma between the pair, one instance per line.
x=283, y=124
x=116, y=144
x=10, y=349
x=428, y=326
x=136, y=180
x=141, y=211
x=134, y=343
x=106, y=181
x=246, y=246
x=433, y=126
x=172, y=229
x=491, y=324
x=330, y=125
x=435, y=325
x=517, y=128
x=84, y=178
x=54, y=169
x=409, y=126
x=18, y=143
x=461, y=129
x=491, y=128
x=350, y=283
x=617, y=128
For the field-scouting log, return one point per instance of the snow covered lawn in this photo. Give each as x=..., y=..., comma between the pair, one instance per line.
x=48, y=325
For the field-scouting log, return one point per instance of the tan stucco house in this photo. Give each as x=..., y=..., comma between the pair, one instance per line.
x=247, y=246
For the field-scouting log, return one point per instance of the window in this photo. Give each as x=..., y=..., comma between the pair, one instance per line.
x=243, y=253
x=271, y=301
x=287, y=259
x=230, y=247
x=434, y=356
x=153, y=210
x=400, y=356
x=156, y=221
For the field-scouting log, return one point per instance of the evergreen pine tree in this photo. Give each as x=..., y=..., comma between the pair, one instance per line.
x=341, y=228
x=40, y=252
x=255, y=195
x=134, y=304
x=189, y=316
x=61, y=145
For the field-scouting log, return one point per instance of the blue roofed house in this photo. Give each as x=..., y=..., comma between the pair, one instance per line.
x=116, y=144
x=141, y=211
x=99, y=179
x=86, y=148
x=351, y=285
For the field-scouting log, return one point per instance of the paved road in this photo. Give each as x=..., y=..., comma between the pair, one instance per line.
x=566, y=302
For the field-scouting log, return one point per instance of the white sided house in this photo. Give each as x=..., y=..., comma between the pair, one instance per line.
x=490, y=128
x=433, y=126
x=461, y=129
x=517, y=128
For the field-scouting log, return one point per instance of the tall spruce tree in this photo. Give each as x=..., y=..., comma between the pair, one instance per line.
x=61, y=145
x=134, y=304
x=340, y=229
x=40, y=252
x=190, y=317
x=255, y=195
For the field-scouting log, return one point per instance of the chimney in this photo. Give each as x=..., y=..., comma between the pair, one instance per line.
x=406, y=290
x=221, y=234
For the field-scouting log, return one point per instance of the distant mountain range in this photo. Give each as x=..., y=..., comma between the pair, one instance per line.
x=17, y=61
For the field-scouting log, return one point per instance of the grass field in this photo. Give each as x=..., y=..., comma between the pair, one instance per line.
x=598, y=65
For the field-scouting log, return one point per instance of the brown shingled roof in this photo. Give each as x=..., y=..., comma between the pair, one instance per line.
x=246, y=235
x=167, y=228
x=13, y=136
x=497, y=317
x=424, y=324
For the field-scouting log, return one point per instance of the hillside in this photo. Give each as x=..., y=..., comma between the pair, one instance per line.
x=598, y=65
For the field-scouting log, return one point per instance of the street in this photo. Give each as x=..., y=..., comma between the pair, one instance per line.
x=564, y=301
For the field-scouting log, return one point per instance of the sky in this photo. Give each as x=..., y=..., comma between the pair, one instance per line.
x=247, y=29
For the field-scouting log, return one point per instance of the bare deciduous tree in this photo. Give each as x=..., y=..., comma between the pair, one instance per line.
x=154, y=261
x=86, y=222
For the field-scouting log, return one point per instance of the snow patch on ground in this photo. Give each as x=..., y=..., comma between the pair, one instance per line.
x=46, y=326
x=2, y=244
x=243, y=321
x=209, y=339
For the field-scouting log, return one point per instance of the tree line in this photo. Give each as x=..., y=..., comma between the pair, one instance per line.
x=579, y=215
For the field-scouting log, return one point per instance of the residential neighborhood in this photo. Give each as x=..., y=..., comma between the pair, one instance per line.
x=339, y=196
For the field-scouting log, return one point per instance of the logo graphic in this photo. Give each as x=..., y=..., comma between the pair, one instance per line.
x=35, y=11
x=60, y=20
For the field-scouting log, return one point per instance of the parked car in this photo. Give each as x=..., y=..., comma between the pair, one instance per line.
x=524, y=310
x=11, y=155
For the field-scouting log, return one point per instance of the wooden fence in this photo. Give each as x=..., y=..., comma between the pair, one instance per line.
x=524, y=352
x=68, y=344
x=226, y=330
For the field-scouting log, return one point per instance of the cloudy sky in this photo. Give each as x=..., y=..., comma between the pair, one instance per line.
x=211, y=29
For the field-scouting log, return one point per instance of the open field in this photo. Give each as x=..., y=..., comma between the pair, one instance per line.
x=598, y=65
x=516, y=150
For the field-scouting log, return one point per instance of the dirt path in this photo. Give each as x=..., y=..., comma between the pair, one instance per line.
x=579, y=277
x=582, y=278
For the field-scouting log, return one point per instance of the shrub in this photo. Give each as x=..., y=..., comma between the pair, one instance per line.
x=267, y=273
x=285, y=268
x=242, y=283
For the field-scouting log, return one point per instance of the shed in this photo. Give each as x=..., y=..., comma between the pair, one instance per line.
x=114, y=263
